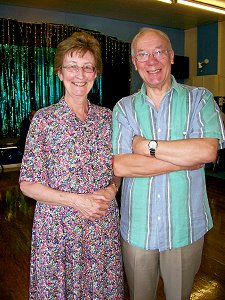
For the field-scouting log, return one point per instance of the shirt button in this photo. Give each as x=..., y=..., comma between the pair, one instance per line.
x=159, y=130
x=158, y=196
x=159, y=218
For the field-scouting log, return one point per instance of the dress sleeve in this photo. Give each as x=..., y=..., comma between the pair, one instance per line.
x=33, y=167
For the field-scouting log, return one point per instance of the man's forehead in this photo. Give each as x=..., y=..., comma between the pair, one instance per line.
x=151, y=40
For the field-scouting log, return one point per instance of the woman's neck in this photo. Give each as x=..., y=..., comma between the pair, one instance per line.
x=79, y=107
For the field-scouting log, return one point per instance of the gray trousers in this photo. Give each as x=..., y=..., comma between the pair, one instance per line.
x=177, y=267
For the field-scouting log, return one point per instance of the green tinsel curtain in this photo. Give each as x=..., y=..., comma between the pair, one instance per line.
x=27, y=78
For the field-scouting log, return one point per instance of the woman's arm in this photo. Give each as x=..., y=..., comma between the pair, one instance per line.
x=91, y=206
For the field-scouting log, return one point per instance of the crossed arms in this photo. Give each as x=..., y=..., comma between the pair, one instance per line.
x=170, y=156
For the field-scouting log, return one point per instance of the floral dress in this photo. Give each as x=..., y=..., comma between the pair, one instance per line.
x=72, y=257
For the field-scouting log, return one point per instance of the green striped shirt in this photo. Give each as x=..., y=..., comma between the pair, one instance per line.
x=171, y=210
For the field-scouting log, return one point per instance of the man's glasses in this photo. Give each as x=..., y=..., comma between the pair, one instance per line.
x=75, y=68
x=157, y=54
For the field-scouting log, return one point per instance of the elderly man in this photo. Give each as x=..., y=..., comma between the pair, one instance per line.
x=162, y=137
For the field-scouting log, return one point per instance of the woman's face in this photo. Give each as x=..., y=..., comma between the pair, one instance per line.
x=78, y=75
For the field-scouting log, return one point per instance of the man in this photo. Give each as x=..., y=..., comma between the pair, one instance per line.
x=162, y=137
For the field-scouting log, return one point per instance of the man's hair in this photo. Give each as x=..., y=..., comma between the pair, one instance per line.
x=146, y=30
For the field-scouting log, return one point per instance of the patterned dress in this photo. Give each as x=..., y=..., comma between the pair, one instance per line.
x=72, y=257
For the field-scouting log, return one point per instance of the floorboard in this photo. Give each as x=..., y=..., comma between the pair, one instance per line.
x=16, y=215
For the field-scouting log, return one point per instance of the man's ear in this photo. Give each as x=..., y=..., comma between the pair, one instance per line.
x=134, y=63
x=172, y=57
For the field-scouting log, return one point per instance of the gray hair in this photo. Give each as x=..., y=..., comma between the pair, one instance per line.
x=147, y=29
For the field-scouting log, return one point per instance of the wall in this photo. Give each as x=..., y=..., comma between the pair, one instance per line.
x=221, y=49
x=208, y=48
x=122, y=30
x=207, y=41
x=190, y=47
x=201, y=43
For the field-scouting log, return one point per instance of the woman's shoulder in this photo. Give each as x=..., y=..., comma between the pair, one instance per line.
x=101, y=109
x=47, y=112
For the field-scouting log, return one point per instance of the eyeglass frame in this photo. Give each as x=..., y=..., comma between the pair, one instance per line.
x=153, y=54
x=75, y=68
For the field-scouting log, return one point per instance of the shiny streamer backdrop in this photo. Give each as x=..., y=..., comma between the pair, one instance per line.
x=27, y=78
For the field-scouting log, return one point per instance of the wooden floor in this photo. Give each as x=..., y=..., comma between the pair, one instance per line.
x=16, y=214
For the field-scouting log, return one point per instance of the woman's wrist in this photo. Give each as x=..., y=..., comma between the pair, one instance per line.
x=115, y=186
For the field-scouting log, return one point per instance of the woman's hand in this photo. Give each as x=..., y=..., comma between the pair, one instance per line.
x=93, y=206
x=108, y=193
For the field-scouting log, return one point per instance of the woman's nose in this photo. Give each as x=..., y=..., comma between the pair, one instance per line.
x=79, y=70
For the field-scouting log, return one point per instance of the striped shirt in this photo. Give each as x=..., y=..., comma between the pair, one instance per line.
x=171, y=210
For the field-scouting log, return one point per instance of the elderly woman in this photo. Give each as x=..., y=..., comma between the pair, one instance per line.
x=67, y=169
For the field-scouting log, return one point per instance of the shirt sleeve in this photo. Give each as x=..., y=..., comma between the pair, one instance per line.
x=207, y=121
x=123, y=133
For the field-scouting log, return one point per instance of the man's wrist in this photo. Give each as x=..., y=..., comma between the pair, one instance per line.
x=152, y=146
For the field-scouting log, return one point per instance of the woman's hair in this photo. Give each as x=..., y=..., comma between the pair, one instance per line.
x=80, y=42
x=147, y=30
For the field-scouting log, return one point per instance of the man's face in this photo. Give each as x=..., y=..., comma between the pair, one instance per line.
x=155, y=71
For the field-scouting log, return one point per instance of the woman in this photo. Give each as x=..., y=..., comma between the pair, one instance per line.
x=67, y=169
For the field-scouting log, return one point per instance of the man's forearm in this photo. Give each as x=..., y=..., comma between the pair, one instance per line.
x=181, y=152
x=135, y=165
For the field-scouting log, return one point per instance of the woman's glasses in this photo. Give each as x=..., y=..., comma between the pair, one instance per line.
x=76, y=68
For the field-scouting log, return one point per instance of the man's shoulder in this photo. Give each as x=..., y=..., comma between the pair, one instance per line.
x=128, y=100
x=191, y=88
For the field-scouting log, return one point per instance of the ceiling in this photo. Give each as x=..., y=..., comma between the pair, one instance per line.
x=151, y=12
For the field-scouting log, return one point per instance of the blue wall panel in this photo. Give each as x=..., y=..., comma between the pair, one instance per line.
x=208, y=48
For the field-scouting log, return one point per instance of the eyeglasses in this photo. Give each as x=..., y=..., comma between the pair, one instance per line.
x=157, y=54
x=75, y=68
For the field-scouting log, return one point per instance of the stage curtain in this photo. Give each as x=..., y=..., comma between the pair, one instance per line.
x=27, y=78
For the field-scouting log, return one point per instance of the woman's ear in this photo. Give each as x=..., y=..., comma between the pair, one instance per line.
x=60, y=75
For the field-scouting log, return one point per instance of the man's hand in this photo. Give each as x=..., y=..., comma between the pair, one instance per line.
x=140, y=145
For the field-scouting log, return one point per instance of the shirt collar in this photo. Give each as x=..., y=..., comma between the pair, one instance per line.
x=174, y=86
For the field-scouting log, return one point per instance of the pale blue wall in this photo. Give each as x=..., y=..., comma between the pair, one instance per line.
x=122, y=30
